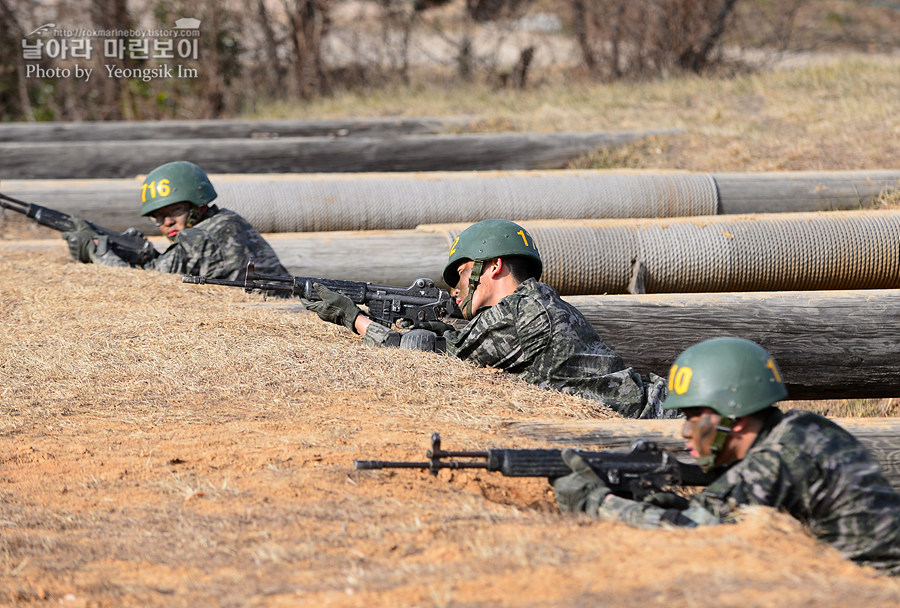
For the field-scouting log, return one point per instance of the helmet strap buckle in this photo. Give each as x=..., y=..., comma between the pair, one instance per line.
x=474, y=279
x=723, y=430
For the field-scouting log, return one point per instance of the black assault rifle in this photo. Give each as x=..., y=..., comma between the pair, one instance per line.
x=406, y=306
x=130, y=245
x=643, y=470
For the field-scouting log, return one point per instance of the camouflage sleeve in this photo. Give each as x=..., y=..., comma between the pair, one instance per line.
x=108, y=258
x=761, y=478
x=503, y=336
x=193, y=253
x=379, y=335
x=646, y=515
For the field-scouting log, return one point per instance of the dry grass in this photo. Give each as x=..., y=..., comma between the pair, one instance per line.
x=815, y=113
x=166, y=444
x=851, y=408
x=143, y=342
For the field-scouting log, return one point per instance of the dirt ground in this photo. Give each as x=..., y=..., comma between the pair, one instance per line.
x=164, y=444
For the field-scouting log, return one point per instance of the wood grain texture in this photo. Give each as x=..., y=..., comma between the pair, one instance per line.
x=224, y=129
x=104, y=159
x=828, y=344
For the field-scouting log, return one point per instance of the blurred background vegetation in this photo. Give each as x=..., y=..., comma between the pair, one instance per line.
x=284, y=57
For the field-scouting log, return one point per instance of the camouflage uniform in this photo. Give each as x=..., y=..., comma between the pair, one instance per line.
x=535, y=335
x=811, y=468
x=219, y=246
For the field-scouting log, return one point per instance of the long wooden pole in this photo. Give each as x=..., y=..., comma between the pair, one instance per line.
x=331, y=201
x=133, y=131
x=828, y=344
x=83, y=160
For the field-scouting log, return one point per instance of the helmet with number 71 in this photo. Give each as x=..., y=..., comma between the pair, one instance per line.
x=733, y=376
x=489, y=239
x=175, y=182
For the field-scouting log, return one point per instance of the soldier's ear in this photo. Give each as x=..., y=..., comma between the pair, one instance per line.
x=740, y=424
x=492, y=268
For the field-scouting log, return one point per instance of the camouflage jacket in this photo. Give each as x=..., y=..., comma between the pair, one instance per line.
x=535, y=335
x=809, y=467
x=219, y=246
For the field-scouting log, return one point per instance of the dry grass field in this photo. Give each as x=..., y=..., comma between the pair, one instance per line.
x=170, y=445
x=164, y=444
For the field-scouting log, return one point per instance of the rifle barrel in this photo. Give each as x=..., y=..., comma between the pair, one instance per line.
x=201, y=280
x=14, y=204
x=387, y=464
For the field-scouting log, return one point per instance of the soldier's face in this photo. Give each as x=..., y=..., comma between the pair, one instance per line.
x=700, y=430
x=172, y=219
x=462, y=288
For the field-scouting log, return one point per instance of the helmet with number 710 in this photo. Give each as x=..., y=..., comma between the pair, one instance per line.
x=733, y=376
x=175, y=182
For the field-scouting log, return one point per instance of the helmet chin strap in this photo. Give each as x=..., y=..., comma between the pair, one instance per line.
x=474, y=279
x=723, y=430
x=195, y=214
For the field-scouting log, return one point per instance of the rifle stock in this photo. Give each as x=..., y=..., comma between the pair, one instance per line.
x=130, y=245
x=645, y=469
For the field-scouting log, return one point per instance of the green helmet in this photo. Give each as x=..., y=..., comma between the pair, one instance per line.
x=733, y=376
x=175, y=183
x=489, y=239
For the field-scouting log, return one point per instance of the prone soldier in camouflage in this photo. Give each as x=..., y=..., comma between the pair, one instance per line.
x=797, y=461
x=206, y=240
x=517, y=323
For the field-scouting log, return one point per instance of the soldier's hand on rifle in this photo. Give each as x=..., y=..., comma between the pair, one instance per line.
x=580, y=491
x=437, y=327
x=334, y=307
x=667, y=500
x=81, y=240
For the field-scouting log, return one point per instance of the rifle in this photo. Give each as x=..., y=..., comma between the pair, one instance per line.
x=129, y=245
x=406, y=306
x=643, y=470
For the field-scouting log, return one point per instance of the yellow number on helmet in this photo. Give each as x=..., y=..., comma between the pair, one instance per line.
x=453, y=246
x=162, y=188
x=680, y=379
x=771, y=365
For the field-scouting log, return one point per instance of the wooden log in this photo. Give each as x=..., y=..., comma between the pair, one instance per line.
x=881, y=436
x=224, y=129
x=113, y=202
x=828, y=344
x=82, y=160
x=780, y=192
x=387, y=257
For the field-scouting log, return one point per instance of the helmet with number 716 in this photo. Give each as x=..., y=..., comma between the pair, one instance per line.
x=175, y=182
x=733, y=376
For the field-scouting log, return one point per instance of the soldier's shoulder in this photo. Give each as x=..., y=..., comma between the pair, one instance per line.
x=193, y=236
x=817, y=429
x=804, y=418
x=224, y=216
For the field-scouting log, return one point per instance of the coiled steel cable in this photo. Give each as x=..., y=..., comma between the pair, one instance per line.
x=767, y=252
x=378, y=202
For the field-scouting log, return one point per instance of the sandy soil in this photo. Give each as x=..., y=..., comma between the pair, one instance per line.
x=165, y=444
